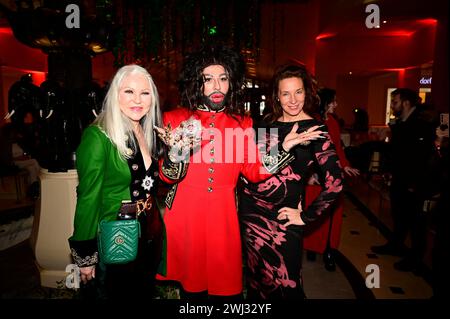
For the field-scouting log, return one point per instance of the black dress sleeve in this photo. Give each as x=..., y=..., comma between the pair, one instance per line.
x=330, y=175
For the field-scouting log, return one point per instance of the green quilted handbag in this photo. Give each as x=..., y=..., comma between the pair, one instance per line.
x=118, y=241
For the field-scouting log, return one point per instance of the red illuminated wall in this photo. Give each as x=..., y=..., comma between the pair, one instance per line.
x=351, y=92
x=17, y=55
x=103, y=68
x=16, y=59
x=367, y=58
x=441, y=86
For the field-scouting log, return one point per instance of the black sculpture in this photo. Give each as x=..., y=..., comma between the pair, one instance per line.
x=91, y=102
x=24, y=102
x=63, y=105
x=58, y=117
x=23, y=97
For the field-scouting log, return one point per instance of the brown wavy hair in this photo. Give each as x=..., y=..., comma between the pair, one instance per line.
x=293, y=71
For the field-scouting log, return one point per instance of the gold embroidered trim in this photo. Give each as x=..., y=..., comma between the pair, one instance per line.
x=171, y=196
x=174, y=171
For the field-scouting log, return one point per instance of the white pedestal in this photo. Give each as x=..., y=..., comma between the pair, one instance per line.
x=54, y=225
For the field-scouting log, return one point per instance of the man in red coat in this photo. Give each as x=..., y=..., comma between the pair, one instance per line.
x=203, y=235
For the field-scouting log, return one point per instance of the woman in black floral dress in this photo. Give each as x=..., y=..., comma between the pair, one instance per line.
x=271, y=211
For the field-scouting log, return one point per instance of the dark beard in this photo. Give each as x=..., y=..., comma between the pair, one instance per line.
x=215, y=106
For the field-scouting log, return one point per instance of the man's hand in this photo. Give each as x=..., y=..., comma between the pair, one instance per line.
x=182, y=140
x=165, y=134
x=187, y=135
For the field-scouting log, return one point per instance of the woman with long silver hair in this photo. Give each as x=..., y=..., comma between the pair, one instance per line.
x=117, y=160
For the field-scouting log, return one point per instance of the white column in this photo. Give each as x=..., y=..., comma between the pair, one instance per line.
x=53, y=225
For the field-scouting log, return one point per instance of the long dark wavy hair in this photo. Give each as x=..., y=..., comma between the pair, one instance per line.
x=190, y=82
x=292, y=71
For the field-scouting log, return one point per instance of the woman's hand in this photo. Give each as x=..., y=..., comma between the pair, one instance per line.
x=87, y=273
x=292, y=215
x=350, y=171
x=304, y=138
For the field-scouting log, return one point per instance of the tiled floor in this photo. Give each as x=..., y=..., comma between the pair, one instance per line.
x=357, y=236
x=19, y=277
x=322, y=284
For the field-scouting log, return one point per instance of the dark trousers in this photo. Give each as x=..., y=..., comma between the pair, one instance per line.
x=408, y=217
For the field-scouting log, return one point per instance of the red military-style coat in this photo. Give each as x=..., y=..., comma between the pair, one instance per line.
x=203, y=234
